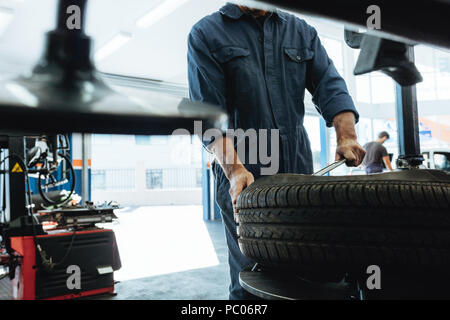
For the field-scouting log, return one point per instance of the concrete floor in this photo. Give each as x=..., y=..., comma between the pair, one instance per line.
x=170, y=253
x=5, y=289
x=195, y=251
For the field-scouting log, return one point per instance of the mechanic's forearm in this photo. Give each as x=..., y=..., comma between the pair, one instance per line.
x=223, y=149
x=344, y=124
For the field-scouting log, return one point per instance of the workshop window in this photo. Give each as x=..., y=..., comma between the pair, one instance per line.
x=363, y=89
x=154, y=178
x=101, y=139
x=383, y=88
x=174, y=178
x=151, y=140
x=199, y=176
x=180, y=178
x=121, y=179
x=98, y=179
x=114, y=180
x=334, y=50
x=142, y=140
x=312, y=126
x=434, y=66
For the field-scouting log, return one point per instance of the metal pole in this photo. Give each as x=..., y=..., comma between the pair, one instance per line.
x=85, y=144
x=206, y=187
x=408, y=123
x=67, y=47
x=323, y=144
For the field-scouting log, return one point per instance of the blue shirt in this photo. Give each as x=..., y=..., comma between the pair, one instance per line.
x=258, y=73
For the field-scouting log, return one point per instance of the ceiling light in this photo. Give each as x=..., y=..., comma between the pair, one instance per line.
x=22, y=94
x=6, y=16
x=112, y=45
x=159, y=12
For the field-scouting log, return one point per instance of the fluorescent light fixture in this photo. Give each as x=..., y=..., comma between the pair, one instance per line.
x=112, y=45
x=22, y=94
x=6, y=16
x=159, y=12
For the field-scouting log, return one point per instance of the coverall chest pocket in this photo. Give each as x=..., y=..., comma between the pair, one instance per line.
x=296, y=60
x=235, y=62
x=231, y=55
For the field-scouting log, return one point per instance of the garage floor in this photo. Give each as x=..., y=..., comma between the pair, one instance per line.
x=170, y=253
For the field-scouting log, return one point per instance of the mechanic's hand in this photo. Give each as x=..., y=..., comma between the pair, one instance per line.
x=240, y=178
x=347, y=146
x=351, y=151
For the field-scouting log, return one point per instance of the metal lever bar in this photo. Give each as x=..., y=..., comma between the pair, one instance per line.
x=330, y=167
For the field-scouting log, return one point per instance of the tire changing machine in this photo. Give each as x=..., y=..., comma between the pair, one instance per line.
x=395, y=59
x=65, y=94
x=43, y=250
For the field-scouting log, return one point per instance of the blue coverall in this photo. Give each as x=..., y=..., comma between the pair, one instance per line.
x=258, y=72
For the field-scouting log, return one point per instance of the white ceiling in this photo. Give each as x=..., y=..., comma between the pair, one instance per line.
x=157, y=52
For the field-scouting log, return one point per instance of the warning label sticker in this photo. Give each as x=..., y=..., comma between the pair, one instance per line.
x=17, y=168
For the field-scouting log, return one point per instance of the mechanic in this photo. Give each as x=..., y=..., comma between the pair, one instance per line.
x=256, y=65
x=376, y=153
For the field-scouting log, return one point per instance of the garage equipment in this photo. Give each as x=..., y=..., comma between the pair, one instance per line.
x=64, y=94
x=40, y=249
x=401, y=20
x=395, y=59
x=329, y=168
x=391, y=51
x=77, y=217
x=44, y=274
x=48, y=160
x=272, y=285
x=310, y=232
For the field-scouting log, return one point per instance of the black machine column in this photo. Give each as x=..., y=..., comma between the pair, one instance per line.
x=15, y=182
x=395, y=59
x=68, y=48
x=408, y=123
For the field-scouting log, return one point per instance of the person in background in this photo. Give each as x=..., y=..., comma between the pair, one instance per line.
x=376, y=154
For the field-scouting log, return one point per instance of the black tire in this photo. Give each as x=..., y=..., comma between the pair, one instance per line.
x=342, y=224
x=51, y=197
